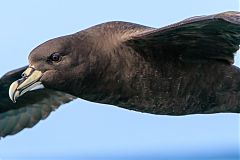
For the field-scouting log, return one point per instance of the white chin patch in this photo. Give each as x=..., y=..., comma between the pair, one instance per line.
x=39, y=86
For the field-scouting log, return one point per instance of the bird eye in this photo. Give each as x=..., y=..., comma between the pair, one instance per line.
x=56, y=57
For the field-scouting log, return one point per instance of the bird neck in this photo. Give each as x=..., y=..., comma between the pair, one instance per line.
x=109, y=75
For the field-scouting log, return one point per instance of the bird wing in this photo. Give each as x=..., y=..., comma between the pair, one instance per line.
x=29, y=109
x=194, y=39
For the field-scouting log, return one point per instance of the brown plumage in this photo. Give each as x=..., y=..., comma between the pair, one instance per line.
x=180, y=69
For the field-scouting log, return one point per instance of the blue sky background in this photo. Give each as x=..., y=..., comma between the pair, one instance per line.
x=85, y=129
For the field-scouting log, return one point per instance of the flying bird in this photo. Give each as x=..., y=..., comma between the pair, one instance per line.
x=183, y=68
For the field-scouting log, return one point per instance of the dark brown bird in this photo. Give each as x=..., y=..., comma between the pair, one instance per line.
x=180, y=69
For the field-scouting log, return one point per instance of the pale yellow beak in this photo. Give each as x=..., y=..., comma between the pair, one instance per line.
x=30, y=79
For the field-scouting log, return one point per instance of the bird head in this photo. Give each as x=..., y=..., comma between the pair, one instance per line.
x=56, y=64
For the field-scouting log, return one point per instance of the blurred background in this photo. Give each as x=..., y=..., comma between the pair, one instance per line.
x=85, y=130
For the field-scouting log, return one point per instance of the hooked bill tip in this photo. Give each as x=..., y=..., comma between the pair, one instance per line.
x=29, y=81
x=12, y=91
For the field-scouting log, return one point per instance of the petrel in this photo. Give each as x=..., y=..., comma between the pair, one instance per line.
x=183, y=68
